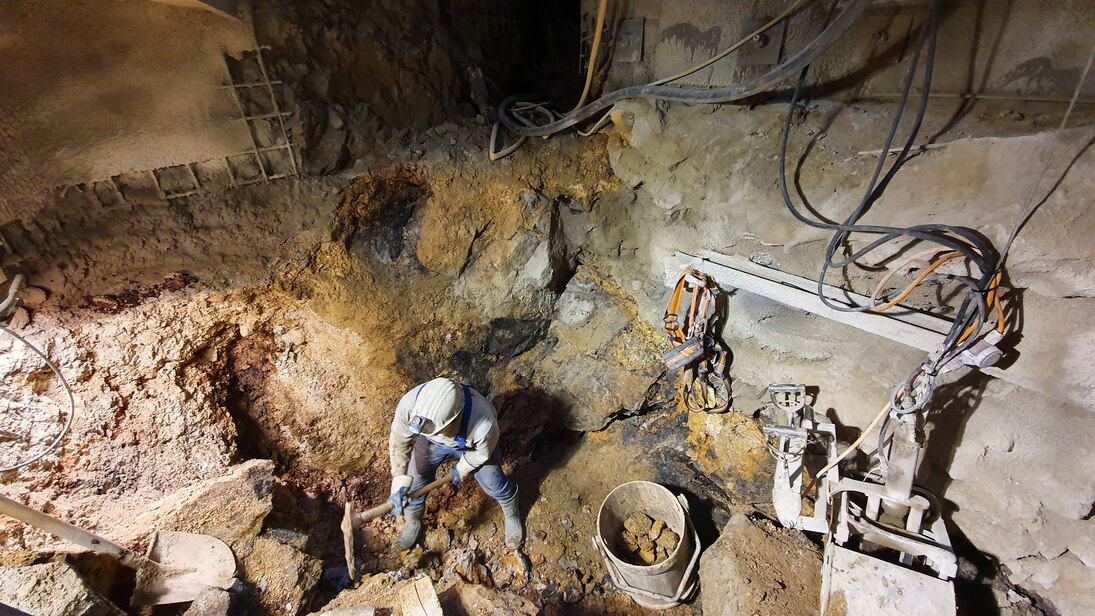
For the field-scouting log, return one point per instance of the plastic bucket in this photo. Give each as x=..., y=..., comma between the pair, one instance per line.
x=664, y=584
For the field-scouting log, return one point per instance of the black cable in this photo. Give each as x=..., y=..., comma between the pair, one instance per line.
x=726, y=94
x=914, y=392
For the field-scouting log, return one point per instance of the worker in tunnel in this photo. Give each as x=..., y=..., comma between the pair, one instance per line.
x=437, y=420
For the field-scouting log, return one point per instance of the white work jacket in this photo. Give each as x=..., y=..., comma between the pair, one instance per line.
x=482, y=434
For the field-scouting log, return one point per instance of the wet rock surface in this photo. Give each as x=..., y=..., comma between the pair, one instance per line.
x=599, y=357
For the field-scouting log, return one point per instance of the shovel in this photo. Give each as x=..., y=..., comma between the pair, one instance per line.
x=178, y=567
x=352, y=521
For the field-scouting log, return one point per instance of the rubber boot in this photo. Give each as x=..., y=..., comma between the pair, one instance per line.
x=515, y=532
x=412, y=527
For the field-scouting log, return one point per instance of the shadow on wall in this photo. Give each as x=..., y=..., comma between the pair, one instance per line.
x=533, y=438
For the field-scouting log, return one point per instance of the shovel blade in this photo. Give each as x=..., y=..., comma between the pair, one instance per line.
x=180, y=566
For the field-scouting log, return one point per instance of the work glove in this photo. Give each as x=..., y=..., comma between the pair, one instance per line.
x=462, y=471
x=401, y=484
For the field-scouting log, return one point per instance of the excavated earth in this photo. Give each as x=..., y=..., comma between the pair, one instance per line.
x=277, y=325
x=235, y=357
x=294, y=349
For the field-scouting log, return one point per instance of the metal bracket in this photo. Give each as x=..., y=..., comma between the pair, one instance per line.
x=884, y=34
x=765, y=48
x=629, y=40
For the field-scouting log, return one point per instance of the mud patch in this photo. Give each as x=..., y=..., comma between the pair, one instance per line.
x=250, y=367
x=131, y=298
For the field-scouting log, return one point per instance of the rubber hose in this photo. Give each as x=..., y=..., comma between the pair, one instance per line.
x=726, y=94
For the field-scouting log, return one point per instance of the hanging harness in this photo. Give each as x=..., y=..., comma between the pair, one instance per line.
x=692, y=348
x=465, y=417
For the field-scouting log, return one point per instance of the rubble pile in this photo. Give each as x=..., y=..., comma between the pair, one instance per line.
x=647, y=541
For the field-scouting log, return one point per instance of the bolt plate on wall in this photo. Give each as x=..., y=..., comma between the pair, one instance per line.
x=629, y=40
x=882, y=37
x=765, y=48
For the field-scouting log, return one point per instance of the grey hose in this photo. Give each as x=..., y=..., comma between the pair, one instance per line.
x=71, y=401
x=726, y=94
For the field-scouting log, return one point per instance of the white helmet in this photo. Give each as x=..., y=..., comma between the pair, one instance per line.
x=437, y=404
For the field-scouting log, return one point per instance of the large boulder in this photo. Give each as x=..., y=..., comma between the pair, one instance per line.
x=278, y=576
x=211, y=602
x=229, y=508
x=759, y=569
x=599, y=358
x=478, y=600
x=51, y=589
x=376, y=592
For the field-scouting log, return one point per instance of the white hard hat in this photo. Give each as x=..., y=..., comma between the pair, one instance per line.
x=437, y=404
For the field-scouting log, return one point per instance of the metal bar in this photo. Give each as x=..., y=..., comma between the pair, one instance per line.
x=159, y=188
x=264, y=116
x=909, y=327
x=277, y=110
x=243, y=114
x=250, y=85
x=231, y=177
x=785, y=431
x=918, y=330
x=194, y=176
x=990, y=97
x=182, y=194
x=916, y=148
x=271, y=148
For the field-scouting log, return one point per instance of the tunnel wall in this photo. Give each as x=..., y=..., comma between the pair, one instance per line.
x=99, y=89
x=1008, y=458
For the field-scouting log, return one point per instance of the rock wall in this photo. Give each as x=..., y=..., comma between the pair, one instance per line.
x=282, y=321
x=96, y=89
x=992, y=48
x=1004, y=455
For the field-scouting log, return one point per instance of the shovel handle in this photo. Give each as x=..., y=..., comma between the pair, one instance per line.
x=379, y=510
x=63, y=530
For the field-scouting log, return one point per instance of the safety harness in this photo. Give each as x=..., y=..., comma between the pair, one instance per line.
x=465, y=417
x=692, y=348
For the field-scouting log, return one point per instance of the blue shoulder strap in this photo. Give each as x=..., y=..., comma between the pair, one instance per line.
x=465, y=417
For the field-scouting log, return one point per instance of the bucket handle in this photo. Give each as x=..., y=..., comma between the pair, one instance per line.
x=617, y=578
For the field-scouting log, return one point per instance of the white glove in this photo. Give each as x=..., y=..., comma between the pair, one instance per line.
x=398, y=498
x=400, y=481
x=464, y=470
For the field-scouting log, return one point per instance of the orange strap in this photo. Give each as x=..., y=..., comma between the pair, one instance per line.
x=672, y=312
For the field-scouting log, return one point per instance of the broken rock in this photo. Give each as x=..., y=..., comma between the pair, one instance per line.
x=599, y=357
x=279, y=576
x=229, y=508
x=656, y=529
x=512, y=571
x=475, y=600
x=469, y=566
x=647, y=541
x=51, y=588
x=758, y=569
x=438, y=539
x=639, y=524
x=211, y=602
